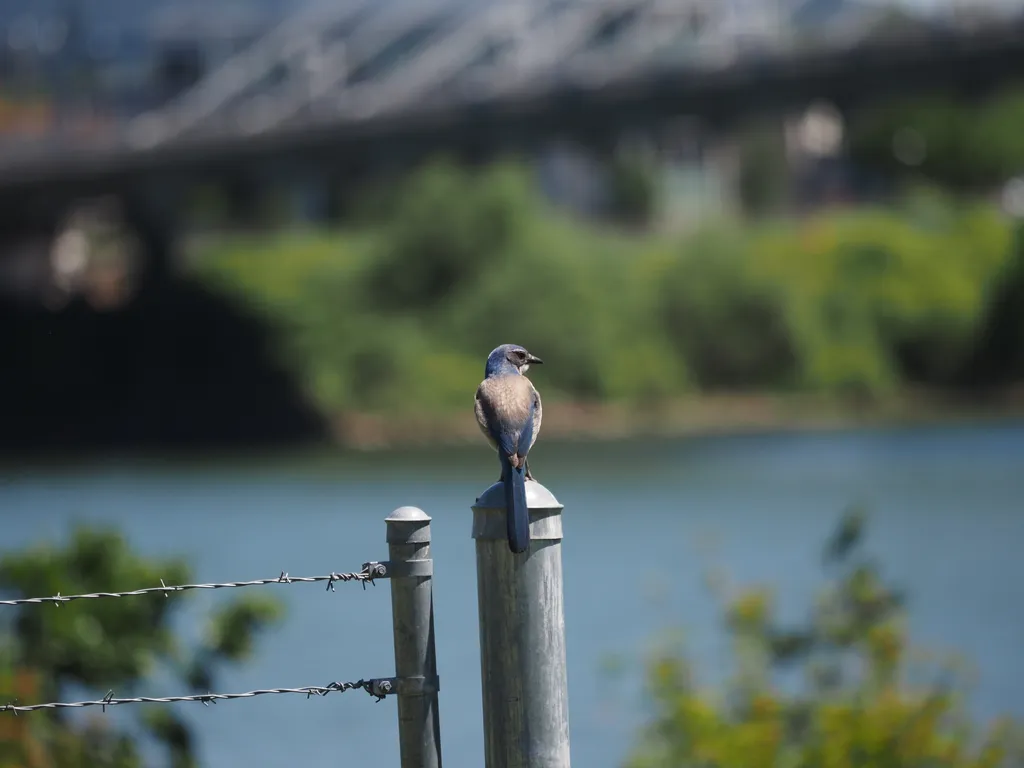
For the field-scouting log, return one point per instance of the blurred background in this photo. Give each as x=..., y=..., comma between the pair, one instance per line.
x=253, y=254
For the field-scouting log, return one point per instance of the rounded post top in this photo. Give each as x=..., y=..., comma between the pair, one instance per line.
x=408, y=525
x=407, y=515
x=537, y=497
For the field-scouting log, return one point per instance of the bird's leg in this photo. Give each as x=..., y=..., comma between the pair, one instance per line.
x=526, y=470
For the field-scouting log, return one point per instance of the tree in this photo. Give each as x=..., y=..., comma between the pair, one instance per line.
x=106, y=644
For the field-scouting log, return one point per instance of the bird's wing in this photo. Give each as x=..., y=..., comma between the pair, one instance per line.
x=538, y=417
x=489, y=415
x=531, y=426
x=484, y=415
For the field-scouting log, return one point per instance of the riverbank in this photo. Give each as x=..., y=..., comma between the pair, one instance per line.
x=695, y=416
x=354, y=434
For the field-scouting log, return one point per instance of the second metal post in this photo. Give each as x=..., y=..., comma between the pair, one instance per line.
x=412, y=610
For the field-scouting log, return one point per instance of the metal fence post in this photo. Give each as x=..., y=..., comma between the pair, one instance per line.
x=522, y=634
x=412, y=612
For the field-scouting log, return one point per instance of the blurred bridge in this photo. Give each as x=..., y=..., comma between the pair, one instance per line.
x=362, y=81
x=106, y=342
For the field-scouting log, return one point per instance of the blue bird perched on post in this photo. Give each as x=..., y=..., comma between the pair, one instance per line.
x=509, y=413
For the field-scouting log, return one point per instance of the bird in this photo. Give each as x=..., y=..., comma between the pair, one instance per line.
x=509, y=412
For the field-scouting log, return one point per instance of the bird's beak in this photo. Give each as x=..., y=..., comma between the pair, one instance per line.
x=533, y=360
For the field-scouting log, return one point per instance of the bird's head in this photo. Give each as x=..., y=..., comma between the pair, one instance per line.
x=510, y=358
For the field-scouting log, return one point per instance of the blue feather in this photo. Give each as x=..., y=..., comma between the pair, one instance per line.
x=517, y=516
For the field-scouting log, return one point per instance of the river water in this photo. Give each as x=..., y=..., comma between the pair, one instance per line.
x=643, y=521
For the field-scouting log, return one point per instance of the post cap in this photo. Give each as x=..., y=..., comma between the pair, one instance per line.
x=407, y=515
x=537, y=497
x=408, y=525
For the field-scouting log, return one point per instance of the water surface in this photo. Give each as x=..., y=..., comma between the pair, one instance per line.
x=641, y=521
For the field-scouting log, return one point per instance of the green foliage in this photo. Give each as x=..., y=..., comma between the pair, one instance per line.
x=963, y=143
x=876, y=299
x=762, y=171
x=101, y=645
x=858, y=702
x=446, y=227
x=729, y=325
x=399, y=311
x=634, y=186
x=1001, y=354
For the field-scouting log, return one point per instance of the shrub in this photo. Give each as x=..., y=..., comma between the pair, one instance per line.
x=854, y=704
x=403, y=308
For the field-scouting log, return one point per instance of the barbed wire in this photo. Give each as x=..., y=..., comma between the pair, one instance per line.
x=376, y=687
x=371, y=571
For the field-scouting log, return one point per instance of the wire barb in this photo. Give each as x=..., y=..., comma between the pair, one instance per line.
x=373, y=687
x=370, y=572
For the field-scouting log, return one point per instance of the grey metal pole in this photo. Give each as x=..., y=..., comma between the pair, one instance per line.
x=522, y=634
x=412, y=612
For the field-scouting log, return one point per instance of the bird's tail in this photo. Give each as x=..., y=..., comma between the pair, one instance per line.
x=517, y=516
